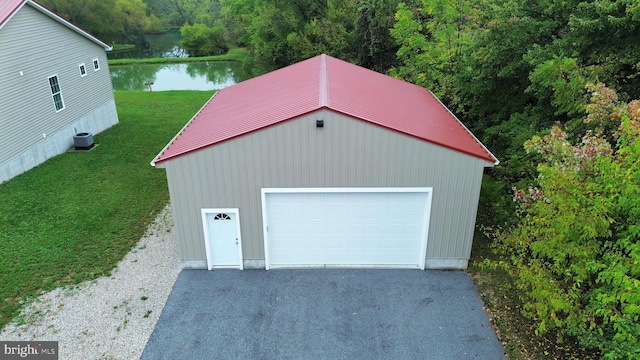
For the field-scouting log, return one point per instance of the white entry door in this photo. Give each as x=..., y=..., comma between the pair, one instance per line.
x=346, y=227
x=222, y=238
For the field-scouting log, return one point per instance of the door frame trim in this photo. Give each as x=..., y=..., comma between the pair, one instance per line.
x=205, y=227
x=427, y=213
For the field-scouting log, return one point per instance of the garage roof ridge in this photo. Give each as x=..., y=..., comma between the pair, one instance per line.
x=324, y=79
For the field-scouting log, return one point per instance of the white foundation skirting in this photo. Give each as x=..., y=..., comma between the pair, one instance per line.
x=57, y=143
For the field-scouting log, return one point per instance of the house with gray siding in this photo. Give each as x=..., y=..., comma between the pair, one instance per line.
x=324, y=164
x=55, y=82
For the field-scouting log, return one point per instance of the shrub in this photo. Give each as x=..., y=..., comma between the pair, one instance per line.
x=201, y=40
x=575, y=251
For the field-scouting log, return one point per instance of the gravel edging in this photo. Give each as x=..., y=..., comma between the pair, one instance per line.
x=111, y=317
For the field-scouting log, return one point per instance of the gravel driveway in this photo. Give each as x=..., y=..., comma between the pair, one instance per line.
x=111, y=317
x=323, y=314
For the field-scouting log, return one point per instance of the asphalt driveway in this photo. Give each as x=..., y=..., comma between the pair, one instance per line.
x=323, y=314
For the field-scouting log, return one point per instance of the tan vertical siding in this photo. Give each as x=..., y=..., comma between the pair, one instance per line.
x=345, y=153
x=40, y=47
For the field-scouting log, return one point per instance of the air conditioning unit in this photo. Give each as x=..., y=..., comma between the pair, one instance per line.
x=83, y=141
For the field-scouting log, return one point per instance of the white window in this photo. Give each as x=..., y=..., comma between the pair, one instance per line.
x=96, y=65
x=56, y=93
x=83, y=70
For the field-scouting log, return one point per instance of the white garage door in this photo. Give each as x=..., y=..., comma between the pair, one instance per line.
x=362, y=227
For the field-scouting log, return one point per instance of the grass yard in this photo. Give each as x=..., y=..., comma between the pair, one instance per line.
x=75, y=216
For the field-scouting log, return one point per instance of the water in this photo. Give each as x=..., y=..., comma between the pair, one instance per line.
x=153, y=46
x=209, y=75
x=180, y=76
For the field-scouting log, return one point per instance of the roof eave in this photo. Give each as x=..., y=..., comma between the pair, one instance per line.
x=493, y=157
x=490, y=160
x=156, y=160
x=15, y=11
x=66, y=23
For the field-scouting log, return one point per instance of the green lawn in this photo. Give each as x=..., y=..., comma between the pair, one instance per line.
x=235, y=54
x=75, y=216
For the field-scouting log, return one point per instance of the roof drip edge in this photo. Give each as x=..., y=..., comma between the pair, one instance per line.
x=496, y=161
x=69, y=24
x=10, y=16
x=157, y=159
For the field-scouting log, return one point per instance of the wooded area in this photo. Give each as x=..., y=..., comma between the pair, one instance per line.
x=549, y=86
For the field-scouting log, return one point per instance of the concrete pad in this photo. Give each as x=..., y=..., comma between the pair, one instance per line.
x=323, y=314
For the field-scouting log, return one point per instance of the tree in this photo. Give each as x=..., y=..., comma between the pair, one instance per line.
x=377, y=48
x=279, y=33
x=434, y=39
x=183, y=12
x=131, y=16
x=95, y=16
x=235, y=16
x=202, y=40
x=528, y=64
x=110, y=20
x=575, y=253
x=275, y=25
x=332, y=34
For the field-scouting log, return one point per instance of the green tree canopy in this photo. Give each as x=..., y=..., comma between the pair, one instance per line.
x=434, y=39
x=202, y=40
x=576, y=249
x=110, y=20
x=528, y=67
x=377, y=48
x=279, y=33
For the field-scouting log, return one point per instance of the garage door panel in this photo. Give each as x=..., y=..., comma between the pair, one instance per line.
x=346, y=228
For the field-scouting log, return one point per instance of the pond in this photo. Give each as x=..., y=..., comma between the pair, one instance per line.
x=210, y=75
x=152, y=46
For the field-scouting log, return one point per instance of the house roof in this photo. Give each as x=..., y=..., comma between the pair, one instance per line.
x=323, y=82
x=8, y=8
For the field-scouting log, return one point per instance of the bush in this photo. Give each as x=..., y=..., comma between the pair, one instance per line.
x=156, y=26
x=202, y=40
x=495, y=206
x=575, y=251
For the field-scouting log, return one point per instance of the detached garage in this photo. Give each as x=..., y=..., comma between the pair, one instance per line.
x=324, y=164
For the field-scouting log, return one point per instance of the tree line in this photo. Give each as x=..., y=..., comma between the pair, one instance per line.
x=113, y=21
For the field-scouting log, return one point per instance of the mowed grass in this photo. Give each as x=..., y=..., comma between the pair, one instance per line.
x=75, y=216
x=235, y=54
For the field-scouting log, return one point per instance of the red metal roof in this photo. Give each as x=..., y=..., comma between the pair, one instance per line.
x=8, y=8
x=317, y=83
